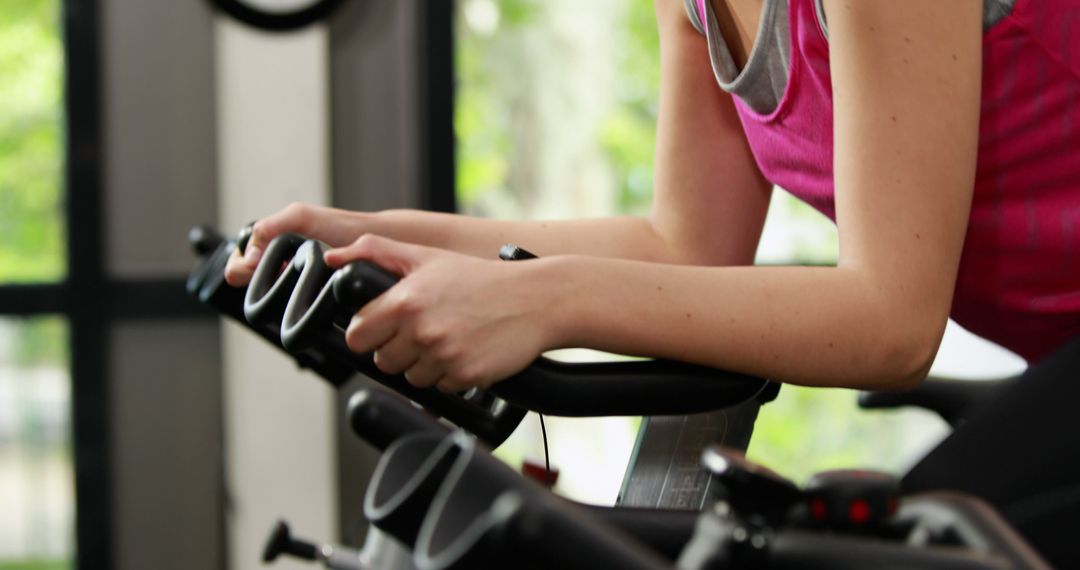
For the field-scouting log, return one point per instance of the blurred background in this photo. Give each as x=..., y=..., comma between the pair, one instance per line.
x=137, y=431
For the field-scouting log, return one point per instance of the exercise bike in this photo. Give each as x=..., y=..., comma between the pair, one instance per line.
x=305, y=307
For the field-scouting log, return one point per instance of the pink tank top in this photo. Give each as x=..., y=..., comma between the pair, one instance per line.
x=1019, y=276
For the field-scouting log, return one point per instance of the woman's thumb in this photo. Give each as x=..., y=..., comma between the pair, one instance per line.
x=393, y=256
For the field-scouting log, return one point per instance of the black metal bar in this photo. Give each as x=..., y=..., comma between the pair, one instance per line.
x=29, y=300
x=153, y=299
x=436, y=81
x=88, y=326
x=141, y=299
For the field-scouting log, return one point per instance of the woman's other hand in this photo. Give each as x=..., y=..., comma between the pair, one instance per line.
x=332, y=226
x=453, y=321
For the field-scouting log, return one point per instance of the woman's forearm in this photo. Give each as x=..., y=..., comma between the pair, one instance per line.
x=810, y=326
x=622, y=237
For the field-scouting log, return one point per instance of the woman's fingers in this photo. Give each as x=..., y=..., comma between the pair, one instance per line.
x=329, y=225
x=424, y=373
x=238, y=271
x=298, y=218
x=394, y=256
x=448, y=386
x=397, y=355
x=370, y=331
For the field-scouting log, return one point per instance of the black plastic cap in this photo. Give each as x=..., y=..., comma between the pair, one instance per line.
x=204, y=240
x=511, y=252
x=360, y=282
x=244, y=236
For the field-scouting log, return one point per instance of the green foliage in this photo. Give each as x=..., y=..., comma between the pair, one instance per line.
x=479, y=122
x=30, y=141
x=31, y=224
x=629, y=141
x=822, y=244
x=37, y=565
x=488, y=93
x=520, y=13
x=41, y=341
x=482, y=118
x=629, y=131
x=807, y=430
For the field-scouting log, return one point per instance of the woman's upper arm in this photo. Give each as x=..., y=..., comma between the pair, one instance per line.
x=710, y=197
x=906, y=93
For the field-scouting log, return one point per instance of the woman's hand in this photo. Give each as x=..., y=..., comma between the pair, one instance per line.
x=453, y=321
x=330, y=225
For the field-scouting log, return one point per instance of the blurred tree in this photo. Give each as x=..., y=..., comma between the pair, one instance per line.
x=31, y=224
x=629, y=129
x=35, y=448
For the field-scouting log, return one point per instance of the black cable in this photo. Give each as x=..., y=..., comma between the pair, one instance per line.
x=547, y=459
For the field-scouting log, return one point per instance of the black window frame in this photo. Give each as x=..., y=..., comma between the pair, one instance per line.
x=87, y=297
x=437, y=79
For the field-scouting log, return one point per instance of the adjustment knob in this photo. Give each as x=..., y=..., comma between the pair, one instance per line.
x=852, y=499
x=282, y=542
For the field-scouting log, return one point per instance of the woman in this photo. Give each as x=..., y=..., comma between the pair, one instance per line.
x=942, y=137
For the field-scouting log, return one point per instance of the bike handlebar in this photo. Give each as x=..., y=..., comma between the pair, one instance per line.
x=294, y=299
x=635, y=388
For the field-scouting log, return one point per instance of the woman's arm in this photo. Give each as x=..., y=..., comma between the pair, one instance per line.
x=709, y=202
x=907, y=89
x=906, y=83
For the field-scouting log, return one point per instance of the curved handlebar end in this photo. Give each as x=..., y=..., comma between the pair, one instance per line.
x=244, y=236
x=204, y=240
x=270, y=288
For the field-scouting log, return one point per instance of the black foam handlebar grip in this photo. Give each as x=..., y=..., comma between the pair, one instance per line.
x=272, y=283
x=206, y=282
x=307, y=310
x=291, y=301
x=485, y=515
x=405, y=481
x=315, y=319
x=359, y=283
x=381, y=418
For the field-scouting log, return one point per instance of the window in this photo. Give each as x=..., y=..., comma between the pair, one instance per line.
x=31, y=221
x=555, y=118
x=36, y=478
x=36, y=466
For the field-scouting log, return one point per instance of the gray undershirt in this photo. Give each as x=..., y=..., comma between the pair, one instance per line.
x=762, y=82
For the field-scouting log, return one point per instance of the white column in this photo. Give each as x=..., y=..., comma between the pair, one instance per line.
x=272, y=107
